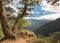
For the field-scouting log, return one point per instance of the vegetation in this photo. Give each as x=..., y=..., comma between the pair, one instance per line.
x=48, y=28
x=53, y=38
x=4, y=18
x=10, y=24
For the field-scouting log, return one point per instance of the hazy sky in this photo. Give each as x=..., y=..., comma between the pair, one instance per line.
x=44, y=11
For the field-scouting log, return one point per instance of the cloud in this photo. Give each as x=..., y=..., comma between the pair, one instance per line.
x=30, y=12
x=52, y=9
x=45, y=17
x=49, y=7
x=13, y=7
x=37, y=12
x=49, y=17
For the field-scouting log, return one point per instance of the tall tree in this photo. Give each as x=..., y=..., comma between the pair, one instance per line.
x=4, y=19
x=4, y=22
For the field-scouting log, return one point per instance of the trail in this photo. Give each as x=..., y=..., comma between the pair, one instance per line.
x=21, y=40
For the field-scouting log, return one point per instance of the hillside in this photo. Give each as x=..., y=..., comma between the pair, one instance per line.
x=36, y=24
x=48, y=28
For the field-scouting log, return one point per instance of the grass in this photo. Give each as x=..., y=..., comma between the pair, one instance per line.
x=1, y=33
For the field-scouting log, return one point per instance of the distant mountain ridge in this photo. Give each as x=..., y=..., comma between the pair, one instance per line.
x=49, y=27
x=36, y=24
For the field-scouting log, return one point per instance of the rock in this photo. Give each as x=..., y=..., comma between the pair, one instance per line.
x=27, y=33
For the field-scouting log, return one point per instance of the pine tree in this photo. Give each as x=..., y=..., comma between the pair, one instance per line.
x=4, y=19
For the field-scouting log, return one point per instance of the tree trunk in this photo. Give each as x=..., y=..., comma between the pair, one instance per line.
x=3, y=18
x=15, y=27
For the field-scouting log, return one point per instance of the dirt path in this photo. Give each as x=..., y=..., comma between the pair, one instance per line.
x=15, y=41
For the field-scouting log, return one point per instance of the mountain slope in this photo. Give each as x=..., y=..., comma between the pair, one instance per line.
x=36, y=24
x=48, y=28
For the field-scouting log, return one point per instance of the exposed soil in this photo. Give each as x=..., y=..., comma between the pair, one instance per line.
x=21, y=40
x=24, y=37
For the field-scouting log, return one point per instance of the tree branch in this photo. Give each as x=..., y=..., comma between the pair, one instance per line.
x=54, y=2
x=15, y=27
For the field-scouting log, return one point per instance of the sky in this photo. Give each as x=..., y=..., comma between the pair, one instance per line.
x=44, y=11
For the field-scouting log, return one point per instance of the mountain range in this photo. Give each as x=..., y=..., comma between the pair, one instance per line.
x=48, y=28
x=36, y=24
